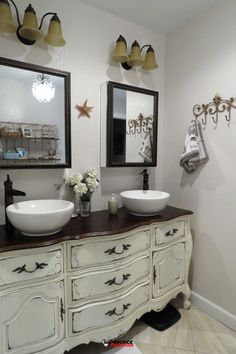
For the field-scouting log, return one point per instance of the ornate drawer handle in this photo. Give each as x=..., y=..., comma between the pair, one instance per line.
x=113, y=250
x=154, y=274
x=113, y=281
x=113, y=312
x=23, y=268
x=169, y=233
x=62, y=310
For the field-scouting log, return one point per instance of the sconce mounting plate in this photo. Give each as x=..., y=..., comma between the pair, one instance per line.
x=22, y=39
x=126, y=66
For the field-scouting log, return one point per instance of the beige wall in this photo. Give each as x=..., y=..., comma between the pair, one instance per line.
x=90, y=35
x=200, y=63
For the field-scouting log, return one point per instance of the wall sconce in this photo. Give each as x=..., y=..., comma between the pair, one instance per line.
x=29, y=32
x=120, y=55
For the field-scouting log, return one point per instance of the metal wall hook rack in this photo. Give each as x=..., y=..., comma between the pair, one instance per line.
x=139, y=125
x=214, y=108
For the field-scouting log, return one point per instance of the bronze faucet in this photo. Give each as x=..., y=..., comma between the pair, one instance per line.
x=145, y=179
x=9, y=192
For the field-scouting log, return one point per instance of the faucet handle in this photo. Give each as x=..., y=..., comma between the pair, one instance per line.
x=8, y=182
x=143, y=172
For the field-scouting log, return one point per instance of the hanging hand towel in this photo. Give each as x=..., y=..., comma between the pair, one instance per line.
x=146, y=148
x=195, y=152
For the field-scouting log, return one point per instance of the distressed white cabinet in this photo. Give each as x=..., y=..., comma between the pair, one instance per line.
x=30, y=318
x=168, y=268
x=32, y=301
x=84, y=289
x=171, y=259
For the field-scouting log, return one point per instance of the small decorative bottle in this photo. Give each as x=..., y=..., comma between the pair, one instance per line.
x=113, y=205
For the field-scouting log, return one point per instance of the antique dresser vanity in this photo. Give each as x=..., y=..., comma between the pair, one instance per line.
x=91, y=281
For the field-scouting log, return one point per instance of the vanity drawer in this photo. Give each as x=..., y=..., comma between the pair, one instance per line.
x=169, y=231
x=30, y=265
x=106, y=313
x=108, y=281
x=96, y=252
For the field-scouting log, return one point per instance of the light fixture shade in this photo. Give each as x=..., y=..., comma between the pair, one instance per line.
x=6, y=20
x=30, y=28
x=150, y=60
x=54, y=36
x=135, y=55
x=120, y=54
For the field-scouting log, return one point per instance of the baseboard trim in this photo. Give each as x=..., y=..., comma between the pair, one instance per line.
x=214, y=310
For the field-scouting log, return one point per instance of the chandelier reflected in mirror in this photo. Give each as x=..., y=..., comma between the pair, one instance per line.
x=43, y=88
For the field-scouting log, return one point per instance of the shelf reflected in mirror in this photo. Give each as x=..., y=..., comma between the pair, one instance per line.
x=34, y=126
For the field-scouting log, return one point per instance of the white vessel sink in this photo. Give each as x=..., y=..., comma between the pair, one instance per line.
x=40, y=217
x=144, y=203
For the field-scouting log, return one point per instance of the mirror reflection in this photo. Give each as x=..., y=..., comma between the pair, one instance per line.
x=34, y=117
x=132, y=126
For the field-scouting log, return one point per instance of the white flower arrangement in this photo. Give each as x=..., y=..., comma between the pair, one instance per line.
x=84, y=184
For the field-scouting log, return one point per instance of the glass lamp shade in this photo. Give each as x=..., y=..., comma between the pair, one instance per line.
x=43, y=89
x=135, y=55
x=30, y=28
x=120, y=54
x=6, y=20
x=150, y=60
x=54, y=36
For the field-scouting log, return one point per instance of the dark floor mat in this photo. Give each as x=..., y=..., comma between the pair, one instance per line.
x=163, y=319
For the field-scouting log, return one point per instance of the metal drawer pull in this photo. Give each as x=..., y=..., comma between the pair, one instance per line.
x=23, y=268
x=154, y=274
x=169, y=233
x=62, y=310
x=113, y=250
x=113, y=281
x=113, y=312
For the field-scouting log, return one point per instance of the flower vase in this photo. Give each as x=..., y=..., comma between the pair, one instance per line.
x=76, y=207
x=84, y=207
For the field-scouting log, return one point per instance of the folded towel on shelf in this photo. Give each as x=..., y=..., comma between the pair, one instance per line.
x=195, y=152
x=146, y=148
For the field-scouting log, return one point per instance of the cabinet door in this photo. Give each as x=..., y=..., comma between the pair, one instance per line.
x=31, y=318
x=168, y=269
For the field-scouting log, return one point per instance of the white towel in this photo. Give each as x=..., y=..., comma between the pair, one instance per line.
x=195, y=152
x=146, y=148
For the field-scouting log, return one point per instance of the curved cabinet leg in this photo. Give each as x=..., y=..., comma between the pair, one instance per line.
x=187, y=291
x=186, y=301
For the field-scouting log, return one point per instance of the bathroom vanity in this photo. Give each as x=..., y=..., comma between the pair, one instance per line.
x=91, y=281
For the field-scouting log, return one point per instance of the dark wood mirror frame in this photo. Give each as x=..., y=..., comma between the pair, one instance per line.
x=110, y=124
x=67, y=114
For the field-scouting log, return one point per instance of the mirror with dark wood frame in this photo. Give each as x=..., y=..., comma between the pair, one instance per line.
x=34, y=116
x=131, y=125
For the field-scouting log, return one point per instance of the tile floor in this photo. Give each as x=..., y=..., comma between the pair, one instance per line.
x=194, y=333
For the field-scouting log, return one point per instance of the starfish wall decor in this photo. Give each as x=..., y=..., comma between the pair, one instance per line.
x=84, y=110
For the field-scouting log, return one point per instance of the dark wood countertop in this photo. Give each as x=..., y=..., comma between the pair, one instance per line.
x=99, y=223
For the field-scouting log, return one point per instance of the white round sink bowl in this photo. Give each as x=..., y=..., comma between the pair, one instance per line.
x=40, y=217
x=144, y=203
